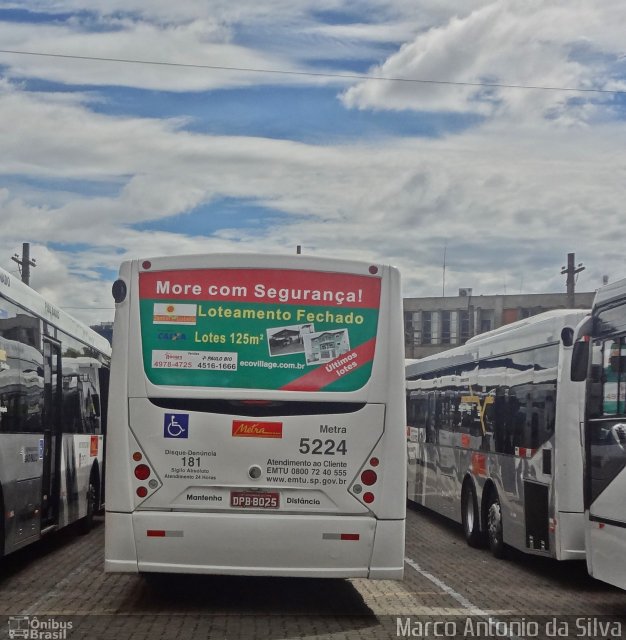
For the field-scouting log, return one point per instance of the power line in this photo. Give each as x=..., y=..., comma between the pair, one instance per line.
x=314, y=74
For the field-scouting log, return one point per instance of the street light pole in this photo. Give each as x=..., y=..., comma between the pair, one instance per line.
x=25, y=263
x=571, y=271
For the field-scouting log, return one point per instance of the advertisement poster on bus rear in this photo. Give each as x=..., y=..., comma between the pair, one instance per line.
x=291, y=330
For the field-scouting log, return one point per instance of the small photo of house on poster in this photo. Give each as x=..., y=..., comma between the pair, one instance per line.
x=326, y=345
x=284, y=341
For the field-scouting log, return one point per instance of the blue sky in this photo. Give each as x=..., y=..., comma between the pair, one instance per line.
x=208, y=151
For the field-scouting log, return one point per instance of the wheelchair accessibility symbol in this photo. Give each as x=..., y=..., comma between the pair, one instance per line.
x=176, y=425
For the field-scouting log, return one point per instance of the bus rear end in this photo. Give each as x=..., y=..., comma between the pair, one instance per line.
x=256, y=421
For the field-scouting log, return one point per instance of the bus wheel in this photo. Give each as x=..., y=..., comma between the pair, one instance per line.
x=469, y=515
x=494, y=526
x=86, y=524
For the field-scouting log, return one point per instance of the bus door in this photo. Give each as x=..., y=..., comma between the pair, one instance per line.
x=52, y=441
x=605, y=457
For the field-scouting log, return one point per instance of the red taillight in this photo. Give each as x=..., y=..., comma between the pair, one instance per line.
x=137, y=456
x=349, y=536
x=142, y=492
x=368, y=497
x=146, y=264
x=368, y=477
x=374, y=462
x=142, y=471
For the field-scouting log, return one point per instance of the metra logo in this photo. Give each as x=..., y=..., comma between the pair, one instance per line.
x=165, y=335
x=249, y=429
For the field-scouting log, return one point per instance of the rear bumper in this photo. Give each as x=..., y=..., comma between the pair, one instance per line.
x=254, y=544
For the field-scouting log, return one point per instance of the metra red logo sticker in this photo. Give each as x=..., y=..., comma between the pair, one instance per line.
x=251, y=429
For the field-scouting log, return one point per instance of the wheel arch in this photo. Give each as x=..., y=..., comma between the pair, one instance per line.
x=95, y=479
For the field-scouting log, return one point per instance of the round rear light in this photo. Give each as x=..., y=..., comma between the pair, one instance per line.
x=142, y=471
x=373, y=269
x=374, y=462
x=146, y=264
x=368, y=477
x=142, y=492
x=137, y=456
x=368, y=498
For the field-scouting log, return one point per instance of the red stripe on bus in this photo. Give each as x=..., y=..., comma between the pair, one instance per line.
x=265, y=286
x=327, y=373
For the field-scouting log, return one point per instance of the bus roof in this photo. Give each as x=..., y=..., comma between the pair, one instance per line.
x=542, y=329
x=21, y=294
x=610, y=295
x=241, y=260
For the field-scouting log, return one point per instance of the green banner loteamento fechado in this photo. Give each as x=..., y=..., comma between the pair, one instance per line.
x=191, y=341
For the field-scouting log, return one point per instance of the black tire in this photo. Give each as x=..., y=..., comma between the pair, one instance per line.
x=85, y=524
x=471, y=516
x=494, y=526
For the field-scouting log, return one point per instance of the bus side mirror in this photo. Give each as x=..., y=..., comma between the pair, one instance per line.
x=580, y=361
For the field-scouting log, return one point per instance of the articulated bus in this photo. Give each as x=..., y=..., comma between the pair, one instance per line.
x=600, y=358
x=494, y=438
x=53, y=386
x=257, y=418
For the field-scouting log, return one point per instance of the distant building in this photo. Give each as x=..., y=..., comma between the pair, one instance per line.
x=435, y=324
x=105, y=329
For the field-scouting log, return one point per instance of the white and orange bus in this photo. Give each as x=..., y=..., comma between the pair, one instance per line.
x=257, y=419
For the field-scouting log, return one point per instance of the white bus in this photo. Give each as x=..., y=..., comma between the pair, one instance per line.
x=53, y=383
x=494, y=437
x=603, y=337
x=257, y=418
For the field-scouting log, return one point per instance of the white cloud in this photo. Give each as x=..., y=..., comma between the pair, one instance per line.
x=509, y=203
x=509, y=198
x=547, y=44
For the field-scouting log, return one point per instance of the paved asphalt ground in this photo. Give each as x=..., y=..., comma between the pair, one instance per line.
x=450, y=590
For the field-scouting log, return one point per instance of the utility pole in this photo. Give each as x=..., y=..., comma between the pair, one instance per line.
x=571, y=271
x=25, y=263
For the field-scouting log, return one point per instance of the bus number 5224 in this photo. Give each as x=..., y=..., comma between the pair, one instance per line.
x=322, y=447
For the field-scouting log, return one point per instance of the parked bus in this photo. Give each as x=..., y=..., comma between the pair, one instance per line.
x=600, y=358
x=256, y=418
x=53, y=384
x=494, y=437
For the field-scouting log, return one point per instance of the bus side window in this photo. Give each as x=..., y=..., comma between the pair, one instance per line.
x=595, y=398
x=499, y=424
x=613, y=378
x=432, y=419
